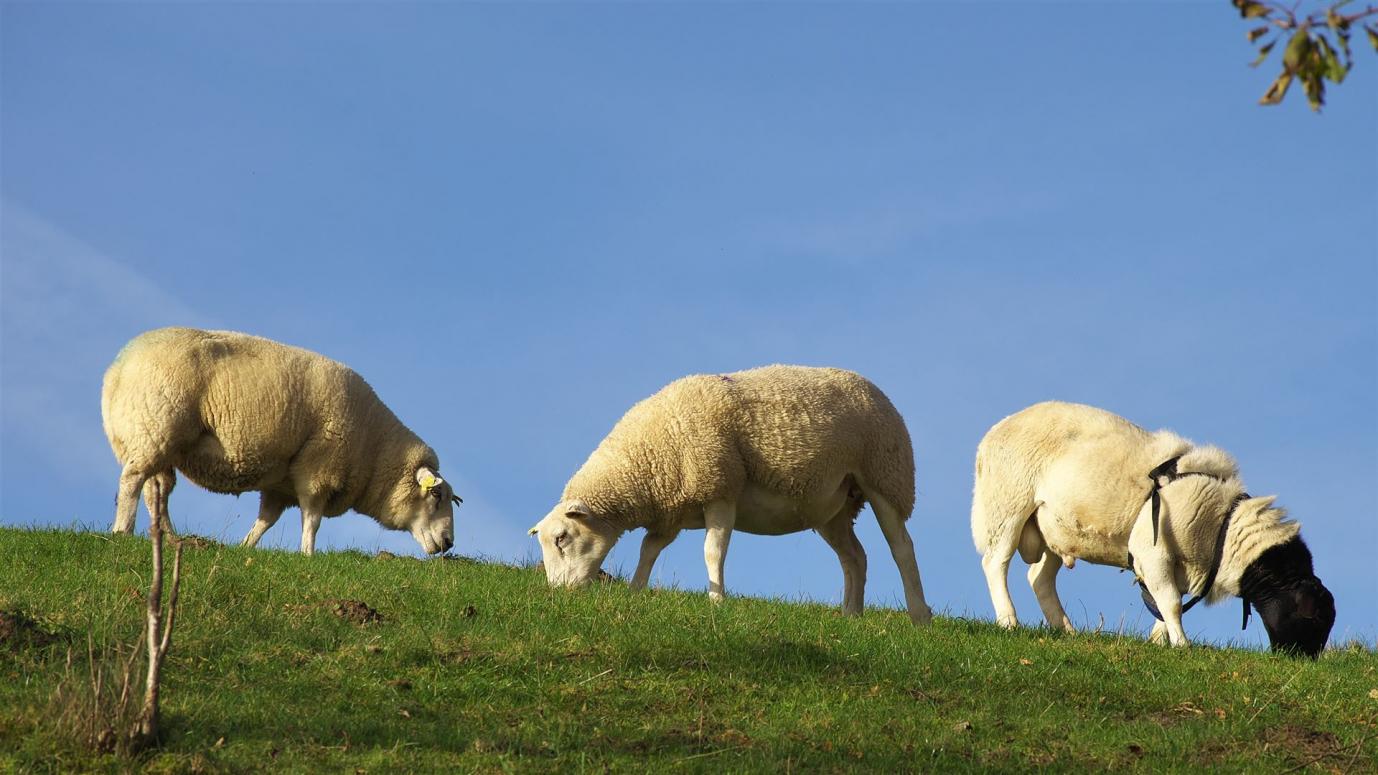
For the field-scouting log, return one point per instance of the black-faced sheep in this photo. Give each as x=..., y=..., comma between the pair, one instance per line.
x=1060, y=482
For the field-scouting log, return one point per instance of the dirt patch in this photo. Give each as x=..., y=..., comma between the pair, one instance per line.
x=1301, y=744
x=386, y=555
x=353, y=611
x=197, y=542
x=1297, y=744
x=459, y=656
x=18, y=630
x=460, y=558
x=1175, y=715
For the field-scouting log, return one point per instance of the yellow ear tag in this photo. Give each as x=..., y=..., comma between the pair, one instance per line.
x=428, y=483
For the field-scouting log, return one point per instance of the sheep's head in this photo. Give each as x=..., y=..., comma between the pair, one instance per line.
x=1299, y=619
x=574, y=542
x=429, y=513
x=1296, y=608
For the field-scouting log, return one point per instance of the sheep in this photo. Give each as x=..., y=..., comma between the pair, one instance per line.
x=238, y=413
x=769, y=451
x=1060, y=482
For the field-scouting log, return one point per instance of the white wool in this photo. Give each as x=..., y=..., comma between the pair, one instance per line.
x=774, y=450
x=238, y=413
x=1061, y=482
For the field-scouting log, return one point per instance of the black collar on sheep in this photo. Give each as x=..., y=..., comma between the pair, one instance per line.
x=1161, y=476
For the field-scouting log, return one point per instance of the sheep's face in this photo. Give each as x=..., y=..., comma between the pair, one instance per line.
x=1299, y=618
x=1296, y=608
x=430, y=511
x=574, y=542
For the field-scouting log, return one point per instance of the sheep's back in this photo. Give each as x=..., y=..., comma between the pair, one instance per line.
x=1087, y=465
x=237, y=407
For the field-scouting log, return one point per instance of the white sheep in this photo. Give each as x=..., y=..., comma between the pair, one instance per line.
x=238, y=413
x=774, y=450
x=1060, y=482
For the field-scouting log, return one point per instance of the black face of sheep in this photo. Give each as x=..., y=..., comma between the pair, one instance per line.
x=1296, y=608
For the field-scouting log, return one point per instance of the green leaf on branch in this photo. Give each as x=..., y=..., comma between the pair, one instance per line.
x=1372, y=36
x=1334, y=69
x=1258, y=32
x=1297, y=50
x=1278, y=90
x=1315, y=90
x=1263, y=52
x=1249, y=9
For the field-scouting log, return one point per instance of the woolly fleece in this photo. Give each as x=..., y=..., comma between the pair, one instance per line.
x=1072, y=480
x=237, y=413
x=772, y=450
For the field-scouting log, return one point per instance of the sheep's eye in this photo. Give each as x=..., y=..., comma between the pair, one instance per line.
x=561, y=540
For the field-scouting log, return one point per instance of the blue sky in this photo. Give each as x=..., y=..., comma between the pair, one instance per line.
x=517, y=220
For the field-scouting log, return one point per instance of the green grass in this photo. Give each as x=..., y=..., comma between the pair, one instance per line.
x=482, y=667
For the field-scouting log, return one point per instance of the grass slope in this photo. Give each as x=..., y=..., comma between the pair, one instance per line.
x=482, y=667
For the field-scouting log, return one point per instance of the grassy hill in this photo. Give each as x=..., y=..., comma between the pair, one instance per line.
x=476, y=666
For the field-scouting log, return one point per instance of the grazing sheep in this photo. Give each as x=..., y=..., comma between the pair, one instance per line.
x=770, y=451
x=1061, y=482
x=237, y=413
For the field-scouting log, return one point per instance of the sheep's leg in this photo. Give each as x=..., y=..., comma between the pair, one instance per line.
x=859, y=593
x=996, y=565
x=1162, y=585
x=311, y=511
x=651, y=546
x=719, y=517
x=1158, y=634
x=902, y=549
x=156, y=492
x=995, y=562
x=841, y=536
x=1043, y=579
x=310, y=523
x=270, y=508
x=132, y=480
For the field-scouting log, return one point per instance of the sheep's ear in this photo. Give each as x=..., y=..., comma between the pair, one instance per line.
x=577, y=510
x=427, y=479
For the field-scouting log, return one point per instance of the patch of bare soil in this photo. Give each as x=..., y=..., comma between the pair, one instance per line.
x=1176, y=714
x=197, y=542
x=1297, y=744
x=354, y=611
x=18, y=630
x=1302, y=745
x=459, y=558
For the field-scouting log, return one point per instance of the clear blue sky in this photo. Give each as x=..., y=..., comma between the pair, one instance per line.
x=517, y=220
